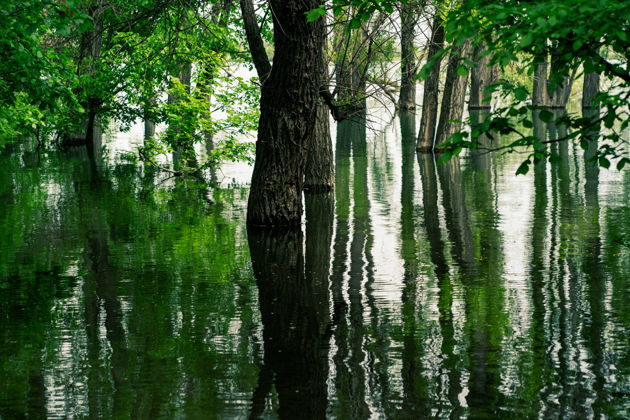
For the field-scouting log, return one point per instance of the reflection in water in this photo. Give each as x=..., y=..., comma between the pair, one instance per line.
x=422, y=290
x=294, y=310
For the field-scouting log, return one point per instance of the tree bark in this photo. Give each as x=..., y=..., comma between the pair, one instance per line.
x=482, y=76
x=408, y=67
x=590, y=109
x=320, y=168
x=288, y=113
x=540, y=96
x=431, y=89
x=454, y=96
x=254, y=40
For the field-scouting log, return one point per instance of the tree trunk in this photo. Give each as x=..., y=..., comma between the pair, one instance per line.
x=482, y=76
x=539, y=94
x=288, y=107
x=590, y=109
x=320, y=168
x=454, y=96
x=408, y=67
x=254, y=40
x=181, y=140
x=431, y=89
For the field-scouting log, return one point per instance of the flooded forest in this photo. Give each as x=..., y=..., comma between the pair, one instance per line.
x=340, y=209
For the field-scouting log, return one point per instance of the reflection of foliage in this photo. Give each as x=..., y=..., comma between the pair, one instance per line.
x=175, y=265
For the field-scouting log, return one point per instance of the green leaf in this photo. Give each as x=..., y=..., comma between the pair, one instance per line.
x=545, y=115
x=462, y=70
x=314, y=14
x=523, y=168
x=604, y=163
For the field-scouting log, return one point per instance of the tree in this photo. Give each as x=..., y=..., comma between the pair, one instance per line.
x=288, y=108
x=587, y=35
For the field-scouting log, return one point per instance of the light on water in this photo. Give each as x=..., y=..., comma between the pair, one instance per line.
x=415, y=290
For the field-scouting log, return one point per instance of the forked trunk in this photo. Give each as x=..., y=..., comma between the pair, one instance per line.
x=288, y=108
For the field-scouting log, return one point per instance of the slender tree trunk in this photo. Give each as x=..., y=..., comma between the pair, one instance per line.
x=431, y=89
x=454, y=96
x=539, y=94
x=254, y=40
x=149, y=128
x=558, y=87
x=89, y=51
x=590, y=109
x=482, y=76
x=182, y=141
x=288, y=113
x=408, y=67
x=320, y=167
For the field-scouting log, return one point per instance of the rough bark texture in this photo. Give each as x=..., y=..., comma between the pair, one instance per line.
x=288, y=112
x=431, y=89
x=320, y=167
x=453, y=99
x=482, y=76
x=408, y=67
x=254, y=40
x=320, y=171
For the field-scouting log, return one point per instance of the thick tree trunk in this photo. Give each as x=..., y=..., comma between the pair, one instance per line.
x=288, y=113
x=408, y=67
x=453, y=99
x=431, y=89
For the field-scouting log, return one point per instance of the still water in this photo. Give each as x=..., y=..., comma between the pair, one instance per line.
x=414, y=291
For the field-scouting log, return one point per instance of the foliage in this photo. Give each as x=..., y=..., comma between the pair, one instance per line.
x=586, y=34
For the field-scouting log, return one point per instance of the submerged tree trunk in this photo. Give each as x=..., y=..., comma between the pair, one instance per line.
x=431, y=89
x=408, y=66
x=454, y=96
x=288, y=107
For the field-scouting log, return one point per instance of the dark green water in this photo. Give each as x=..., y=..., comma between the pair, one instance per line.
x=414, y=291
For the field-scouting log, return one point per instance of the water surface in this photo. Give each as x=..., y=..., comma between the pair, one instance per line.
x=415, y=290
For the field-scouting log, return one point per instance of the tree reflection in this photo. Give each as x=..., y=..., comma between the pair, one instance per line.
x=295, y=317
